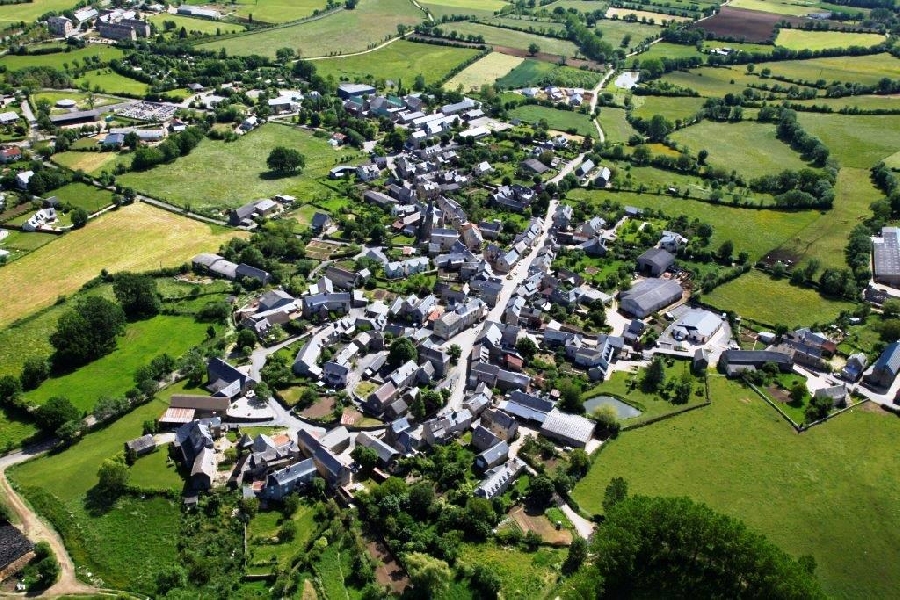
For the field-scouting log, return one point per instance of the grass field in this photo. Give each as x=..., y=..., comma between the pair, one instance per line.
x=103, y=52
x=614, y=32
x=561, y=120
x=511, y=38
x=243, y=165
x=79, y=97
x=13, y=430
x=107, y=80
x=92, y=163
x=29, y=11
x=829, y=492
x=539, y=73
x=750, y=148
x=84, y=196
x=644, y=15
x=785, y=7
x=266, y=11
x=861, y=69
x=345, y=32
x=666, y=50
x=774, y=302
x=856, y=141
x=266, y=554
x=796, y=39
x=673, y=108
x=860, y=102
x=893, y=161
x=615, y=127
x=478, y=8
x=530, y=24
x=155, y=472
x=113, y=375
x=201, y=26
x=523, y=576
x=486, y=71
x=400, y=60
x=711, y=81
x=133, y=238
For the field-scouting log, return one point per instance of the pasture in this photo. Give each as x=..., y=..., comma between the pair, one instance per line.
x=796, y=39
x=560, y=120
x=712, y=81
x=519, y=40
x=107, y=80
x=750, y=148
x=530, y=24
x=827, y=492
x=273, y=11
x=644, y=15
x=81, y=195
x=198, y=26
x=537, y=73
x=58, y=60
x=242, y=165
x=400, y=60
x=674, y=108
x=11, y=14
x=867, y=70
x=133, y=238
x=371, y=23
x=476, y=8
x=859, y=102
x=856, y=141
x=92, y=163
x=781, y=7
x=486, y=71
x=615, y=32
x=616, y=129
x=666, y=50
x=768, y=301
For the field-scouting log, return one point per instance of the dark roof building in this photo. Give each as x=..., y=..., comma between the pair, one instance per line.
x=648, y=296
x=655, y=262
x=885, y=369
x=13, y=545
x=734, y=362
x=886, y=256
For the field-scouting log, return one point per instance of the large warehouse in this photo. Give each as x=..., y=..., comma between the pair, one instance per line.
x=648, y=296
x=886, y=250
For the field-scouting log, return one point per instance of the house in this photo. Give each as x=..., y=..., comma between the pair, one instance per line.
x=387, y=456
x=194, y=442
x=23, y=178
x=267, y=453
x=527, y=407
x=140, y=446
x=463, y=317
x=562, y=218
x=648, y=296
x=15, y=549
x=324, y=303
x=498, y=479
x=672, y=241
x=320, y=222
x=405, y=268
x=493, y=456
x=290, y=479
x=483, y=438
x=500, y=423
x=837, y=394
x=465, y=105
x=533, y=165
x=585, y=168
x=654, y=262
x=603, y=176
x=697, y=326
x=10, y=154
x=441, y=430
x=571, y=430
x=350, y=91
x=85, y=14
x=734, y=362
x=885, y=369
x=856, y=364
x=381, y=398
x=44, y=217
x=60, y=26
x=367, y=172
x=113, y=141
x=226, y=381
x=250, y=123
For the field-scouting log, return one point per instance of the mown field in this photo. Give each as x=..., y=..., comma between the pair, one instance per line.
x=666, y=50
x=486, y=71
x=511, y=38
x=616, y=129
x=539, y=73
x=398, y=61
x=856, y=141
x=244, y=174
x=796, y=39
x=133, y=238
x=860, y=69
x=202, y=26
x=761, y=298
x=29, y=11
x=57, y=60
x=561, y=120
x=345, y=32
x=829, y=492
x=84, y=196
x=92, y=163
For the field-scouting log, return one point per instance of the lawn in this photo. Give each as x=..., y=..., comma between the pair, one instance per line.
x=861, y=69
x=56, y=60
x=133, y=238
x=523, y=575
x=855, y=140
x=91, y=162
x=113, y=375
x=81, y=195
x=244, y=175
x=771, y=302
x=561, y=120
x=202, y=26
x=537, y=73
x=345, y=32
x=796, y=39
x=511, y=38
x=30, y=11
x=616, y=129
x=400, y=60
x=107, y=80
x=155, y=472
x=486, y=71
x=265, y=553
x=750, y=148
x=674, y=108
x=829, y=492
x=13, y=430
x=125, y=546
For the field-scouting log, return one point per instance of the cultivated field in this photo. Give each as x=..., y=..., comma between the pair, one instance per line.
x=856, y=141
x=191, y=25
x=644, y=15
x=29, y=11
x=748, y=25
x=826, y=492
x=539, y=73
x=484, y=72
x=243, y=174
x=345, y=32
x=133, y=238
x=398, y=61
x=478, y=8
x=795, y=39
x=861, y=69
x=616, y=129
x=561, y=120
x=59, y=59
x=747, y=147
x=512, y=39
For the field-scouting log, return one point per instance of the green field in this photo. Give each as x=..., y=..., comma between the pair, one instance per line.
x=561, y=120
x=30, y=11
x=113, y=375
x=616, y=129
x=92, y=163
x=523, y=576
x=104, y=52
x=773, y=302
x=478, y=8
x=860, y=102
x=712, y=81
x=750, y=148
x=856, y=141
x=372, y=22
x=80, y=97
x=530, y=24
x=796, y=39
x=666, y=50
x=829, y=492
x=860, y=69
x=244, y=174
x=156, y=472
x=512, y=39
x=539, y=73
x=793, y=7
x=400, y=60
x=674, y=108
x=191, y=25
x=485, y=71
x=107, y=80
x=265, y=553
x=740, y=46
x=84, y=196
x=13, y=430
x=614, y=32
x=266, y=11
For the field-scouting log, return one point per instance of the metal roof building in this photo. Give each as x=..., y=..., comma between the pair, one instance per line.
x=571, y=430
x=886, y=256
x=648, y=296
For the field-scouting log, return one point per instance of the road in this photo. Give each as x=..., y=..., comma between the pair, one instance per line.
x=596, y=93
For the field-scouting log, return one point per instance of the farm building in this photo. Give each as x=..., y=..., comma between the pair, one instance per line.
x=886, y=256
x=648, y=296
x=654, y=262
x=886, y=367
x=348, y=91
x=140, y=446
x=697, y=326
x=734, y=362
x=571, y=430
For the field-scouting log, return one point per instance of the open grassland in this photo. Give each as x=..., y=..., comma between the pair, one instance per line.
x=614, y=32
x=133, y=238
x=124, y=546
x=712, y=81
x=271, y=11
x=561, y=120
x=858, y=69
x=829, y=492
x=92, y=163
x=789, y=7
x=755, y=231
x=484, y=72
x=242, y=171
x=539, y=73
x=673, y=108
x=666, y=50
x=191, y=25
x=523, y=576
x=796, y=39
x=512, y=39
x=113, y=374
x=477, y=8
x=103, y=52
x=859, y=102
x=616, y=129
x=643, y=14
x=107, y=80
x=750, y=148
x=344, y=32
x=858, y=140
x=759, y=297
x=81, y=195
x=30, y=11
x=400, y=60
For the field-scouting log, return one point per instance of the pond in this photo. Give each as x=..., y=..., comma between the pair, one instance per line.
x=627, y=80
x=623, y=411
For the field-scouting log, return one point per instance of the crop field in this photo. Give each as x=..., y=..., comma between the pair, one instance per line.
x=748, y=25
x=796, y=39
x=614, y=32
x=92, y=163
x=856, y=141
x=186, y=181
x=478, y=8
x=674, y=108
x=754, y=231
x=539, y=73
x=644, y=15
x=400, y=60
x=512, y=39
x=561, y=120
x=113, y=375
x=84, y=196
x=750, y=148
x=345, y=32
x=103, y=52
x=30, y=11
x=202, y=26
x=133, y=238
x=486, y=71
x=615, y=127
x=806, y=477
x=107, y=80
x=860, y=69
x=523, y=576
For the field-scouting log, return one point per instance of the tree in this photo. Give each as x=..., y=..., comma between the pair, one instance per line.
x=577, y=554
x=533, y=48
x=725, y=251
x=402, y=350
x=659, y=128
x=479, y=518
x=527, y=348
x=284, y=55
x=246, y=339
x=285, y=161
x=366, y=458
x=702, y=156
x=138, y=295
x=34, y=372
x=431, y=576
x=79, y=218
x=113, y=475
x=570, y=396
x=616, y=491
x=170, y=578
x=607, y=420
x=250, y=506
x=644, y=541
x=798, y=392
x=540, y=491
x=55, y=412
x=43, y=570
x=486, y=582
x=579, y=463
x=455, y=352
x=654, y=375
x=10, y=390
x=288, y=531
x=87, y=332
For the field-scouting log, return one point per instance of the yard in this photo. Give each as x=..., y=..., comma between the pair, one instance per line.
x=561, y=120
x=771, y=302
x=155, y=472
x=828, y=492
x=398, y=61
x=81, y=195
x=486, y=71
x=243, y=174
x=133, y=238
x=266, y=552
x=797, y=39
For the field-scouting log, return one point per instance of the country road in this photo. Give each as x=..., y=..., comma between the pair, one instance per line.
x=596, y=92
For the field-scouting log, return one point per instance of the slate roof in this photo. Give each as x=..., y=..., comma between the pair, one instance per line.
x=13, y=545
